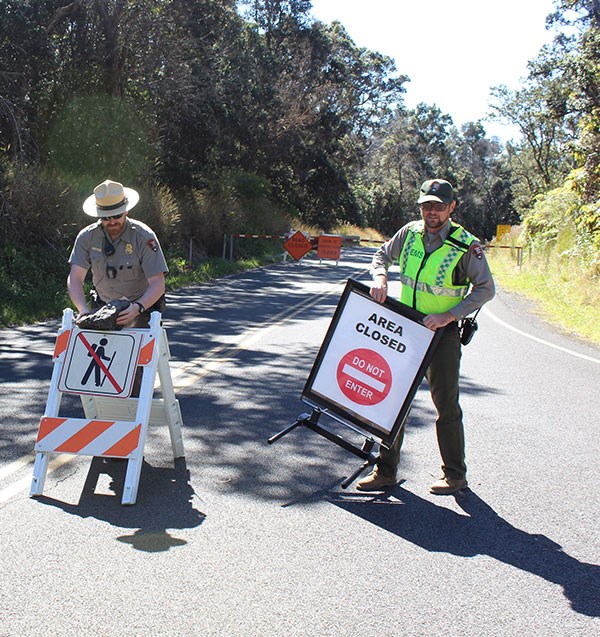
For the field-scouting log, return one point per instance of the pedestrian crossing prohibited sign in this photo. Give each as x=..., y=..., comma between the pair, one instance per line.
x=100, y=363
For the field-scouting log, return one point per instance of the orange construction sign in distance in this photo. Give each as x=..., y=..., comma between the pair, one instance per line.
x=298, y=245
x=329, y=247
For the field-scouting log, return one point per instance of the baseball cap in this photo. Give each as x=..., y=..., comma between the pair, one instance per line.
x=436, y=190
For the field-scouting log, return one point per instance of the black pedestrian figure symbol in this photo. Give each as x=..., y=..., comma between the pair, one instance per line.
x=94, y=366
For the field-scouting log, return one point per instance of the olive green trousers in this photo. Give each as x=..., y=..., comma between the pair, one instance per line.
x=442, y=376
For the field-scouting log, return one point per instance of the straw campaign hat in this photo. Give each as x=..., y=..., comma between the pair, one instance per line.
x=110, y=198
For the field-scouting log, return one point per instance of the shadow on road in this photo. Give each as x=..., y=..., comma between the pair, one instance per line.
x=230, y=415
x=481, y=532
x=164, y=502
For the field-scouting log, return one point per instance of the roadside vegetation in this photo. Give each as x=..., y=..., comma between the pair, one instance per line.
x=559, y=266
x=570, y=302
x=249, y=116
x=41, y=294
x=46, y=297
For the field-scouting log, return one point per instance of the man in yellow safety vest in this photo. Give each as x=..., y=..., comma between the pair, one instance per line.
x=444, y=275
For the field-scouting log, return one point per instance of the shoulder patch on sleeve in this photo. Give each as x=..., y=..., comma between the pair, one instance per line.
x=476, y=250
x=153, y=245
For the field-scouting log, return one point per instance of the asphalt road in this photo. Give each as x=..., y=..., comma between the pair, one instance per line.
x=247, y=539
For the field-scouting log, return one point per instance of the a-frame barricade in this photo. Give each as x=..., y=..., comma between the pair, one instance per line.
x=102, y=367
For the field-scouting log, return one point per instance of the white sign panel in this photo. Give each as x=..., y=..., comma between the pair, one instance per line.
x=100, y=363
x=372, y=361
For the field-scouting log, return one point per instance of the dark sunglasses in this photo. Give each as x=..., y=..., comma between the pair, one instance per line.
x=113, y=217
x=438, y=207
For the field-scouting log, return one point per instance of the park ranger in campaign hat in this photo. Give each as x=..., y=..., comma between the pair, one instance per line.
x=124, y=256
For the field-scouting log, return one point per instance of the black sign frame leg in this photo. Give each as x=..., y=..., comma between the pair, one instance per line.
x=311, y=421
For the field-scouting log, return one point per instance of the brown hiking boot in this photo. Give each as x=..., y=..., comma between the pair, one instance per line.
x=445, y=486
x=375, y=481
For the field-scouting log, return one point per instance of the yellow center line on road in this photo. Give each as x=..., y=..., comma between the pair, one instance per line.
x=183, y=376
x=16, y=465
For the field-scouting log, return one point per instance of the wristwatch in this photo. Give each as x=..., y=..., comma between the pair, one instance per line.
x=142, y=308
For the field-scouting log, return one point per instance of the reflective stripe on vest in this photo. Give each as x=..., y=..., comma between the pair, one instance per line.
x=427, y=279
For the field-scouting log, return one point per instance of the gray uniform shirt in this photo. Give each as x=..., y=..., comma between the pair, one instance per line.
x=137, y=257
x=472, y=268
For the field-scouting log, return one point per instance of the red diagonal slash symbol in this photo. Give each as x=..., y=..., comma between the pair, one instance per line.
x=100, y=364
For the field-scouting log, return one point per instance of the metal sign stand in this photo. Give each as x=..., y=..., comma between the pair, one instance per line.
x=311, y=421
x=114, y=427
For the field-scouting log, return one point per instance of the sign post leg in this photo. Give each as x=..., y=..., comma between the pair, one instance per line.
x=287, y=430
x=40, y=469
x=40, y=466
x=132, y=480
x=172, y=409
x=367, y=447
x=142, y=416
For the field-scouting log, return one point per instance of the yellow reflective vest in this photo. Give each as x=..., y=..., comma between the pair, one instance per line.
x=427, y=278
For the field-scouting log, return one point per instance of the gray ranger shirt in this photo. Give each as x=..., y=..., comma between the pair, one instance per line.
x=125, y=273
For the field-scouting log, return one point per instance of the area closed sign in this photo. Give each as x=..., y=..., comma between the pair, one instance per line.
x=371, y=363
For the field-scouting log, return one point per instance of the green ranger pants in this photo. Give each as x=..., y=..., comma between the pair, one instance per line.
x=442, y=376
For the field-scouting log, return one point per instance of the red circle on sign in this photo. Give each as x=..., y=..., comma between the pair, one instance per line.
x=364, y=376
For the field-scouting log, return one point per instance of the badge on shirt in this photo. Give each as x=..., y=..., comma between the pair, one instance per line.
x=153, y=245
x=476, y=251
x=129, y=249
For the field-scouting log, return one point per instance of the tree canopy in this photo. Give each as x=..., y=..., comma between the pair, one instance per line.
x=236, y=116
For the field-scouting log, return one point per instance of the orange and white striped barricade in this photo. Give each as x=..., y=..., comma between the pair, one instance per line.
x=101, y=368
